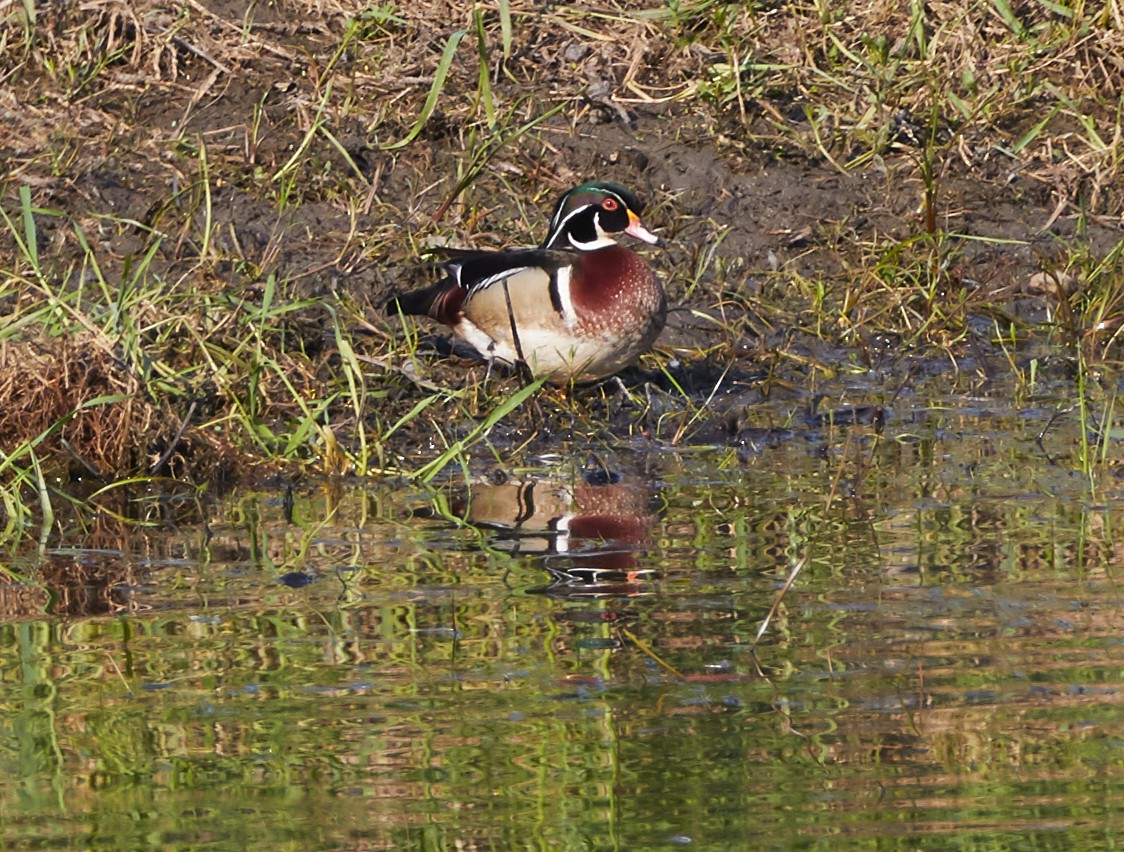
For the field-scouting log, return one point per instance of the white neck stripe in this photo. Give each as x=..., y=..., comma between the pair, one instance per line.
x=565, y=297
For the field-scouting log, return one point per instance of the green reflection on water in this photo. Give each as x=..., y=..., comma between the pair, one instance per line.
x=946, y=673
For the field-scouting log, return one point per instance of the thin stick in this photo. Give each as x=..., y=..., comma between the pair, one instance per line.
x=175, y=441
x=632, y=637
x=796, y=569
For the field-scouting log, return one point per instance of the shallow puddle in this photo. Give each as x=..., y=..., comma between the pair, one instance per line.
x=563, y=656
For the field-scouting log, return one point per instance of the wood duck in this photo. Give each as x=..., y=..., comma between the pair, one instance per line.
x=578, y=308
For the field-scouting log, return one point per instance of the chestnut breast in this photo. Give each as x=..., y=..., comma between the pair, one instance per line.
x=613, y=285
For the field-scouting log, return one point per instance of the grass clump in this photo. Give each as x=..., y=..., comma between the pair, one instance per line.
x=202, y=212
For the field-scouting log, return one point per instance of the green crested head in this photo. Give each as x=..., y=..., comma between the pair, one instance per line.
x=587, y=215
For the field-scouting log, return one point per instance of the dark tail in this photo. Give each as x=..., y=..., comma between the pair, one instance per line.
x=440, y=301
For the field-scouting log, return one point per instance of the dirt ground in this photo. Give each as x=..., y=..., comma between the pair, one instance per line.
x=789, y=211
x=262, y=142
x=122, y=145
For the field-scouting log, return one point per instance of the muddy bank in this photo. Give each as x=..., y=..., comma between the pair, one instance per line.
x=223, y=202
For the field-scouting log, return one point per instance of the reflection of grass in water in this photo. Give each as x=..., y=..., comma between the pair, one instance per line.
x=436, y=692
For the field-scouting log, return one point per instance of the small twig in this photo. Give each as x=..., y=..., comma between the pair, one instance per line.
x=120, y=674
x=777, y=600
x=838, y=474
x=651, y=654
x=202, y=54
x=409, y=374
x=175, y=441
x=1049, y=425
x=248, y=39
x=74, y=454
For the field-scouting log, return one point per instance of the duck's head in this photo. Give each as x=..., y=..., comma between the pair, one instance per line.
x=587, y=216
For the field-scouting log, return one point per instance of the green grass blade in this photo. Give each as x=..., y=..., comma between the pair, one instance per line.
x=31, y=238
x=505, y=27
x=1003, y=8
x=1035, y=131
x=484, y=86
x=13, y=231
x=418, y=408
x=434, y=90
x=356, y=386
x=339, y=146
x=456, y=450
x=44, y=493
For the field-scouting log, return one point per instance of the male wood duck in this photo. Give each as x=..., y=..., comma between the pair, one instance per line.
x=576, y=309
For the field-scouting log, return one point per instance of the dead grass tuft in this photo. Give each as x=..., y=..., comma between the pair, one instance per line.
x=53, y=386
x=20, y=601
x=92, y=416
x=223, y=192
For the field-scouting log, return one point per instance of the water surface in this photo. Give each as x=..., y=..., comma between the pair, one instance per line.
x=562, y=654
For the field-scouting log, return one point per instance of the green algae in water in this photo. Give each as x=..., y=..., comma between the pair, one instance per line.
x=575, y=668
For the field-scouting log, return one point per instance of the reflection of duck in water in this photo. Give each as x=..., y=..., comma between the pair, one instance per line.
x=592, y=536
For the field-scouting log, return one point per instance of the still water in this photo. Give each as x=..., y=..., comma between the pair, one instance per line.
x=564, y=655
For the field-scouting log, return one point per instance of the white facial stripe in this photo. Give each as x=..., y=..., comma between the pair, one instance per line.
x=557, y=227
x=603, y=239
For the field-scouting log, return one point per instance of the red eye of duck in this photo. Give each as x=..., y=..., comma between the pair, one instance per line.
x=610, y=204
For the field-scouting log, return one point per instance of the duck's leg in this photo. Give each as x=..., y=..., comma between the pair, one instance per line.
x=521, y=366
x=492, y=360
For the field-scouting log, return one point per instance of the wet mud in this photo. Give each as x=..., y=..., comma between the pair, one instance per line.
x=743, y=220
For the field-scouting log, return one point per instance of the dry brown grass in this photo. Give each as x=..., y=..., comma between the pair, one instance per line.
x=52, y=385
x=233, y=151
x=94, y=418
